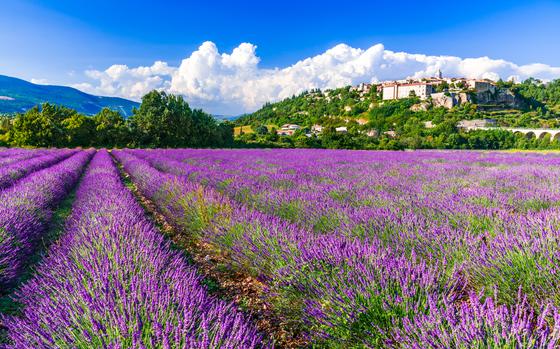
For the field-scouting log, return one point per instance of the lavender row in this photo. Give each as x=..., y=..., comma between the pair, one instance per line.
x=7, y=152
x=11, y=173
x=342, y=289
x=25, y=211
x=20, y=156
x=112, y=281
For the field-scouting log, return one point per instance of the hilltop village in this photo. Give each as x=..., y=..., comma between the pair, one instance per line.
x=424, y=109
x=426, y=87
x=431, y=92
x=443, y=92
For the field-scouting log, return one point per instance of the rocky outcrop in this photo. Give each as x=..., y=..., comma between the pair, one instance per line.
x=500, y=98
x=422, y=106
x=449, y=99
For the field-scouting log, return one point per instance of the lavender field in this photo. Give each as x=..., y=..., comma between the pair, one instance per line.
x=192, y=248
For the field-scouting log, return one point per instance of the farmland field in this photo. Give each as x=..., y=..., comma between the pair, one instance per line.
x=193, y=248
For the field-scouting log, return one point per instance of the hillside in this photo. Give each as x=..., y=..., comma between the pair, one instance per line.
x=357, y=118
x=535, y=104
x=315, y=106
x=18, y=95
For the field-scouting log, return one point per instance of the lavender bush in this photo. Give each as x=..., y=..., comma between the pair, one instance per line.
x=10, y=173
x=20, y=155
x=25, y=211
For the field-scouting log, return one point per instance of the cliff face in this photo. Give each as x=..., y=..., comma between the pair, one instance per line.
x=500, y=98
x=449, y=100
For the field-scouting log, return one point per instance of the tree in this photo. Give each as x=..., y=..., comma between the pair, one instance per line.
x=161, y=121
x=167, y=121
x=261, y=130
x=79, y=130
x=204, y=131
x=41, y=127
x=443, y=86
x=111, y=129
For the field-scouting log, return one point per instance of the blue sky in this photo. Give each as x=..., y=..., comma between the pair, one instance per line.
x=58, y=41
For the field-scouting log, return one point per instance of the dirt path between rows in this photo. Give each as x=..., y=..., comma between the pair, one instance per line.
x=248, y=293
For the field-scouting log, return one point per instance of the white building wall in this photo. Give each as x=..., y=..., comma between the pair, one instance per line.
x=422, y=91
x=419, y=90
x=389, y=92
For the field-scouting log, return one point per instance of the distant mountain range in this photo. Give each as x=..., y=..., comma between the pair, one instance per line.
x=18, y=95
x=226, y=117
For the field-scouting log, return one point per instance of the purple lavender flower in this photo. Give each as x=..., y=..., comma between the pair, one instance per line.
x=26, y=207
x=357, y=246
x=113, y=281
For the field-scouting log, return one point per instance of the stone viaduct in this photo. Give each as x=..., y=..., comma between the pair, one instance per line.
x=529, y=132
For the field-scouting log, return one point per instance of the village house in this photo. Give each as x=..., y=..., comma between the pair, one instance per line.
x=429, y=124
x=316, y=129
x=342, y=129
x=288, y=130
x=360, y=121
x=363, y=88
x=476, y=123
x=481, y=85
x=390, y=134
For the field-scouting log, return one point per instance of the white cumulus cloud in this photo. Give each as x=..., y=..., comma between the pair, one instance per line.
x=233, y=83
x=122, y=81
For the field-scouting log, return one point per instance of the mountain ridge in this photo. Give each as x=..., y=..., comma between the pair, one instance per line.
x=18, y=95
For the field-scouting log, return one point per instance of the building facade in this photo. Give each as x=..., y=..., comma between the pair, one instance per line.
x=397, y=90
x=288, y=130
x=424, y=88
x=481, y=85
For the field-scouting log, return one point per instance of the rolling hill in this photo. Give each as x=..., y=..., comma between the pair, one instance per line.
x=532, y=103
x=18, y=95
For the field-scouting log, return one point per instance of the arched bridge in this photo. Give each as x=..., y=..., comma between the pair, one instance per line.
x=529, y=132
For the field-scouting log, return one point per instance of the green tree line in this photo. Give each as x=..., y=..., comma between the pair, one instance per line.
x=414, y=135
x=162, y=120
